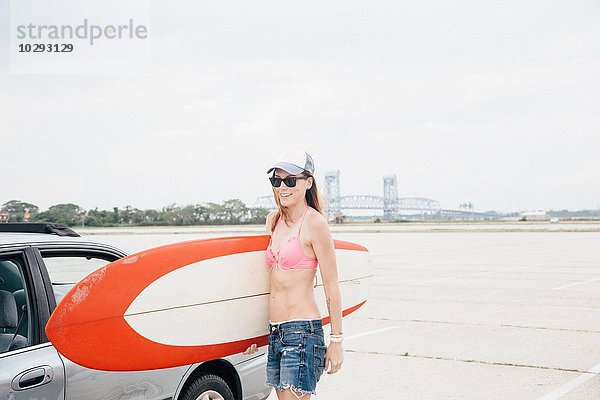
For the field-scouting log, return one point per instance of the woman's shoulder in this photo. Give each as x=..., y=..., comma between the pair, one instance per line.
x=316, y=221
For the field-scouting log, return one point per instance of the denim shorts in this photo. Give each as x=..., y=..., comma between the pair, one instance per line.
x=296, y=356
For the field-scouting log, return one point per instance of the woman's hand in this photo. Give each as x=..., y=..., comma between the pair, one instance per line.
x=251, y=350
x=334, y=358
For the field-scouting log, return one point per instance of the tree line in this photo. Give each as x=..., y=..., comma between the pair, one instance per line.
x=229, y=212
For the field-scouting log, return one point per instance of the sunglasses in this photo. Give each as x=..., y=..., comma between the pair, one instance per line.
x=290, y=181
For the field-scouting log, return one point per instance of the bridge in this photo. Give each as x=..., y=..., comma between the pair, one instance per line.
x=393, y=207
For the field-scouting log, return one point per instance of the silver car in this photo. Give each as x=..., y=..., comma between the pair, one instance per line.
x=37, y=265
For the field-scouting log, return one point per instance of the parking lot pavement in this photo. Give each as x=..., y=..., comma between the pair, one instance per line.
x=590, y=389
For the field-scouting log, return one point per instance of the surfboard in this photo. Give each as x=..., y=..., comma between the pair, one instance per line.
x=184, y=303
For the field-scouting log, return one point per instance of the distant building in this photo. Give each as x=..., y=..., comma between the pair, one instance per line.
x=533, y=216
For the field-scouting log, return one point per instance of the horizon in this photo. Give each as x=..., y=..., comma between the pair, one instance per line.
x=354, y=213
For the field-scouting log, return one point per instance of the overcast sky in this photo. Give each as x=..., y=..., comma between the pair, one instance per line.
x=496, y=103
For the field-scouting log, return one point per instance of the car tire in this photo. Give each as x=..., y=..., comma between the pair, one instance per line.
x=207, y=387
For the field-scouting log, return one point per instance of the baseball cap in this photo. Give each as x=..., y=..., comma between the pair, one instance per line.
x=294, y=161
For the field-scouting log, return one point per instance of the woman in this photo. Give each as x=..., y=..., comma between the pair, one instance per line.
x=300, y=240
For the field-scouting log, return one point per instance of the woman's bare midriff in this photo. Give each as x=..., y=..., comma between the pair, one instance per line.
x=292, y=295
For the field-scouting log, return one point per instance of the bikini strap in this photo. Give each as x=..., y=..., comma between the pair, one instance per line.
x=302, y=221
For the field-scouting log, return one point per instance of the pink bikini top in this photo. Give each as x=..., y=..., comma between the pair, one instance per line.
x=290, y=255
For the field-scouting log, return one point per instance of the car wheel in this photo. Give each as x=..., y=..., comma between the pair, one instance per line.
x=207, y=387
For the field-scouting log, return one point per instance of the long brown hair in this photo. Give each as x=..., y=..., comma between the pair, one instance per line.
x=312, y=198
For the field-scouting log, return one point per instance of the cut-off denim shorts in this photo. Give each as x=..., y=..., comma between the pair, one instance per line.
x=296, y=357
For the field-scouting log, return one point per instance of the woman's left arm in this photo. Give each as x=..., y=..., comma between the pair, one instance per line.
x=325, y=251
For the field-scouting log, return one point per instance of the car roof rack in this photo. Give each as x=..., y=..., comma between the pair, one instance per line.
x=31, y=227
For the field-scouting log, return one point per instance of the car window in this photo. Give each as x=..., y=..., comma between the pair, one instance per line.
x=70, y=269
x=15, y=317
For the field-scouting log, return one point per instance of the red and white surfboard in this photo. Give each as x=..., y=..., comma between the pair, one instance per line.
x=184, y=303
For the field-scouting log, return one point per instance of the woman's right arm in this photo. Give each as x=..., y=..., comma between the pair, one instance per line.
x=254, y=348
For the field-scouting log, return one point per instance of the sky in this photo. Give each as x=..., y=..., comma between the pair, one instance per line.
x=494, y=103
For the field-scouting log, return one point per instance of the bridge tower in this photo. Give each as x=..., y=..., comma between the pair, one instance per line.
x=332, y=195
x=390, y=197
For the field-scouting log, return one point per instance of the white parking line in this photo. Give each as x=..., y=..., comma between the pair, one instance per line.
x=576, y=283
x=567, y=387
x=389, y=328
